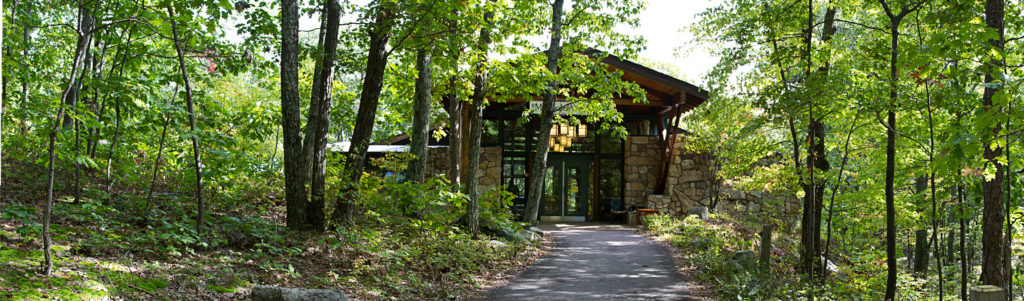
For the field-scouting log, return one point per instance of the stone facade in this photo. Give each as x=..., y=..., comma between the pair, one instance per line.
x=689, y=183
x=643, y=162
x=490, y=165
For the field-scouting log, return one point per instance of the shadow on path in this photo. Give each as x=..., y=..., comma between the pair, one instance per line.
x=598, y=262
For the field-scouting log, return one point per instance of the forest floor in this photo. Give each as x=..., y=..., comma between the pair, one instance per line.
x=105, y=250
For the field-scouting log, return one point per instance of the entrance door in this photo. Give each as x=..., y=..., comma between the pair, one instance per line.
x=566, y=189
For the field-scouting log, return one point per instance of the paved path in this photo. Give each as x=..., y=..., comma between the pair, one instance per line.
x=592, y=262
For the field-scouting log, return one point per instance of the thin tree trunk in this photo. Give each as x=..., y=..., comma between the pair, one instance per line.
x=420, y=133
x=85, y=26
x=159, y=156
x=316, y=135
x=835, y=189
x=890, y=171
x=540, y=158
x=454, y=131
x=191, y=123
x=291, y=123
x=994, y=259
x=475, y=125
x=369, y=99
x=963, y=241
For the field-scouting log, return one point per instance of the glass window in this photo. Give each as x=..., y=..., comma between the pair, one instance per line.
x=611, y=182
x=552, y=192
x=489, y=133
x=515, y=136
x=611, y=144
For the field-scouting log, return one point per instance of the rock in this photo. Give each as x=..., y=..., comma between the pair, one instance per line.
x=745, y=258
x=528, y=235
x=538, y=230
x=686, y=164
x=274, y=293
x=496, y=243
x=700, y=212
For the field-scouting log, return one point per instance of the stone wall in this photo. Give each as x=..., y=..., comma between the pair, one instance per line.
x=643, y=164
x=490, y=165
x=689, y=184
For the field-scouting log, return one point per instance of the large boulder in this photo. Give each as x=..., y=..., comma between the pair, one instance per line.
x=274, y=293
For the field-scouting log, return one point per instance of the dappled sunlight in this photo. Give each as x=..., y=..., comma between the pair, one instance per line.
x=598, y=264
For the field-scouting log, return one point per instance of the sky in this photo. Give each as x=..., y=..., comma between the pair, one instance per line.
x=664, y=25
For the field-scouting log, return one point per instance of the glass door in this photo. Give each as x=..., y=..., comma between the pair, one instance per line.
x=566, y=189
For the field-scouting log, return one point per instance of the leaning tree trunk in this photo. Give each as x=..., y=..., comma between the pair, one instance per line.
x=369, y=99
x=993, y=267
x=540, y=157
x=291, y=123
x=420, y=133
x=315, y=147
x=85, y=25
x=159, y=156
x=196, y=160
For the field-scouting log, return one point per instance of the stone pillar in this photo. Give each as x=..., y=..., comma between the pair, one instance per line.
x=987, y=293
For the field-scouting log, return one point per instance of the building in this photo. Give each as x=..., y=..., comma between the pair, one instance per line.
x=590, y=175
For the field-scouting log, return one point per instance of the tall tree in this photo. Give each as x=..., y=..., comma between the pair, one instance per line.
x=85, y=29
x=291, y=123
x=540, y=153
x=420, y=136
x=894, y=18
x=315, y=142
x=369, y=99
x=196, y=159
x=993, y=253
x=480, y=82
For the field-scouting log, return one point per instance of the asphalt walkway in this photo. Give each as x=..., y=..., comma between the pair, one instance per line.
x=598, y=262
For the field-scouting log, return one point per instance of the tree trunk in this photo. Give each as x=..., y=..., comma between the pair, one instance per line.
x=86, y=24
x=196, y=160
x=994, y=259
x=890, y=201
x=540, y=158
x=476, y=124
x=315, y=144
x=159, y=156
x=291, y=123
x=420, y=133
x=373, y=82
x=454, y=132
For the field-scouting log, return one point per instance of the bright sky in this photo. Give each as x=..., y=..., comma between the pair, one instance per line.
x=664, y=24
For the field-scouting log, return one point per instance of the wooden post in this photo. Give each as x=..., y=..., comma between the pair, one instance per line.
x=987, y=293
x=766, y=245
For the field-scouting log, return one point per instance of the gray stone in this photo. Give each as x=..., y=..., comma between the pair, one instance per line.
x=686, y=164
x=496, y=243
x=274, y=293
x=528, y=235
x=700, y=212
x=538, y=230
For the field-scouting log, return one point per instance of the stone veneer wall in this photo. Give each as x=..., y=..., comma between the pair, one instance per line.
x=643, y=162
x=489, y=171
x=687, y=186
